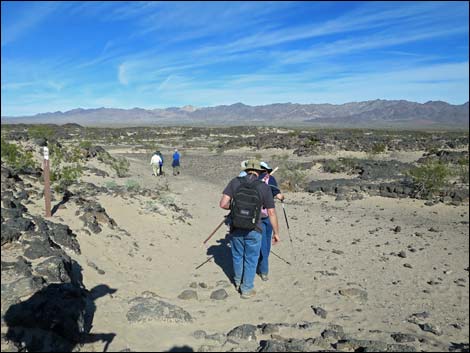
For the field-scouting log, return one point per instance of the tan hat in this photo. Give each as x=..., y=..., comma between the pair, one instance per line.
x=253, y=164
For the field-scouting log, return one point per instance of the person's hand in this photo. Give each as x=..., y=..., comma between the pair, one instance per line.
x=276, y=238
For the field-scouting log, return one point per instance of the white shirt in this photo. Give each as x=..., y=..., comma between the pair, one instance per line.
x=155, y=159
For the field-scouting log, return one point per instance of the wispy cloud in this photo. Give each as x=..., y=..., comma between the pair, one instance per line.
x=25, y=21
x=122, y=74
x=367, y=42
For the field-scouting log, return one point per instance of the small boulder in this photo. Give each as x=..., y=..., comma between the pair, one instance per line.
x=243, y=332
x=188, y=295
x=219, y=294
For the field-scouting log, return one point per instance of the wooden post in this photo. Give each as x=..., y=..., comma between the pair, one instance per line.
x=47, y=182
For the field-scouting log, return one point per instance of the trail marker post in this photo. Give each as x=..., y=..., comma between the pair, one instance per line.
x=47, y=182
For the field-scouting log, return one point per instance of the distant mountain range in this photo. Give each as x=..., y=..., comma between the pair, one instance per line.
x=368, y=114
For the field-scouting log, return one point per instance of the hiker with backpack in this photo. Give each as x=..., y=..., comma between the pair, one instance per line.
x=244, y=197
x=176, y=163
x=268, y=179
x=155, y=163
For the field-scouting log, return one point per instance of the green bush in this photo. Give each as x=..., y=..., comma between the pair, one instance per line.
x=41, y=131
x=430, y=177
x=16, y=157
x=462, y=170
x=153, y=207
x=85, y=144
x=312, y=141
x=378, y=148
x=290, y=174
x=132, y=185
x=111, y=185
x=121, y=166
x=341, y=165
x=462, y=173
x=66, y=166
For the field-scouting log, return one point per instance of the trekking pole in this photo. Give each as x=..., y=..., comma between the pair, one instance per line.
x=288, y=229
x=287, y=262
x=205, y=262
x=214, y=231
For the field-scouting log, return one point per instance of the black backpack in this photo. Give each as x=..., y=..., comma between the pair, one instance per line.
x=246, y=204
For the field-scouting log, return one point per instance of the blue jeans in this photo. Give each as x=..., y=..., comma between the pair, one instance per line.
x=245, y=246
x=263, y=264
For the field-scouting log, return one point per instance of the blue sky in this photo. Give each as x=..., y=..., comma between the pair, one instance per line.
x=65, y=55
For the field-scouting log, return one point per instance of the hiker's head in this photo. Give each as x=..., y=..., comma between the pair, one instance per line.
x=266, y=167
x=176, y=150
x=253, y=166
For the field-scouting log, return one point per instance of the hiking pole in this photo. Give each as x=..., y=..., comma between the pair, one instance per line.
x=287, y=262
x=285, y=215
x=288, y=229
x=205, y=262
x=214, y=231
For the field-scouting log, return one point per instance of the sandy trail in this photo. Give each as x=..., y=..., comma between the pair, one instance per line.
x=338, y=245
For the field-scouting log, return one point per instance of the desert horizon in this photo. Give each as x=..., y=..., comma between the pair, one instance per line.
x=370, y=260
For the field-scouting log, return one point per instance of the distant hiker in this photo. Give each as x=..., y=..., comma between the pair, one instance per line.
x=176, y=162
x=161, y=162
x=155, y=163
x=268, y=179
x=245, y=196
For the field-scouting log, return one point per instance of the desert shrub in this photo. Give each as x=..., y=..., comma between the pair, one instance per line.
x=341, y=165
x=463, y=174
x=430, y=177
x=154, y=207
x=312, y=141
x=121, y=166
x=132, y=185
x=41, y=132
x=431, y=149
x=111, y=185
x=291, y=175
x=462, y=170
x=149, y=147
x=66, y=166
x=85, y=144
x=105, y=157
x=167, y=199
x=378, y=148
x=16, y=157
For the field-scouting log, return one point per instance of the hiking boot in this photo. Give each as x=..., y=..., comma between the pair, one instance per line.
x=237, y=286
x=248, y=295
x=264, y=277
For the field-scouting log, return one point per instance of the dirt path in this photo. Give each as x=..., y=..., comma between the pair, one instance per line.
x=338, y=246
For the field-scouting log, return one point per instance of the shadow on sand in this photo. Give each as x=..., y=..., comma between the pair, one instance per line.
x=56, y=319
x=222, y=255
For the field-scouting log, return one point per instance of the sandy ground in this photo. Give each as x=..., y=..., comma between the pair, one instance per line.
x=335, y=245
